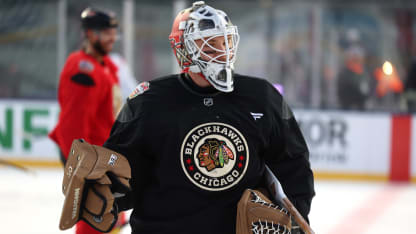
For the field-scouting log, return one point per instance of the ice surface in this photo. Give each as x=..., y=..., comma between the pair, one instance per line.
x=32, y=202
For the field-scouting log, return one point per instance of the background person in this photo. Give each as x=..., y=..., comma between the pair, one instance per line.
x=89, y=94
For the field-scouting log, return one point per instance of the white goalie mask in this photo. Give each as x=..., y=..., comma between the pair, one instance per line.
x=203, y=31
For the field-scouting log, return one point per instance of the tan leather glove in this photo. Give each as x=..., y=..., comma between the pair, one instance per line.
x=93, y=177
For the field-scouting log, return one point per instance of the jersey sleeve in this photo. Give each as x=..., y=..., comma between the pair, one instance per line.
x=79, y=102
x=287, y=155
x=126, y=138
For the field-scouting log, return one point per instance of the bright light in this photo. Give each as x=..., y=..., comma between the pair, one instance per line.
x=387, y=68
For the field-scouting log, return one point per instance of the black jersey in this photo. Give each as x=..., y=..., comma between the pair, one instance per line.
x=193, y=151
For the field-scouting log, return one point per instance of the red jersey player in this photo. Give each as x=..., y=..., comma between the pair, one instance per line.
x=89, y=94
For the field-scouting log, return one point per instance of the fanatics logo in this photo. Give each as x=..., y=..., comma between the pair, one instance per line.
x=256, y=116
x=214, y=156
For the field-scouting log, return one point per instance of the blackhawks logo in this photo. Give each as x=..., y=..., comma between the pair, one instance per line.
x=214, y=156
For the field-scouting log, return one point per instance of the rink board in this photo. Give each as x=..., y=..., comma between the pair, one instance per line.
x=341, y=142
x=24, y=125
x=413, y=150
x=343, y=145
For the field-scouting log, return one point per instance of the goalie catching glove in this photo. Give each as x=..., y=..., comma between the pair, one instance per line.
x=94, y=176
x=256, y=214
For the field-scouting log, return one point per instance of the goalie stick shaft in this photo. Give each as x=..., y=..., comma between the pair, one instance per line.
x=276, y=190
x=297, y=216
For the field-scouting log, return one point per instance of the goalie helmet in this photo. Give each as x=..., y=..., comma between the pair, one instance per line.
x=203, y=23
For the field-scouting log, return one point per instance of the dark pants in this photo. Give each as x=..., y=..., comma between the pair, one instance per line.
x=62, y=157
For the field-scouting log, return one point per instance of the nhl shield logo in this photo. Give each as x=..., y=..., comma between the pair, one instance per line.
x=208, y=101
x=214, y=156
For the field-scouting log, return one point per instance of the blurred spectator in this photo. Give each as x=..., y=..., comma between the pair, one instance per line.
x=353, y=80
x=294, y=77
x=388, y=80
x=410, y=87
x=9, y=83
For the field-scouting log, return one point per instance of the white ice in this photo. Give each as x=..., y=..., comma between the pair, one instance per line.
x=32, y=202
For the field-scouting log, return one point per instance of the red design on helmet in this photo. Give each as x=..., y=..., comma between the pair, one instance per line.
x=177, y=42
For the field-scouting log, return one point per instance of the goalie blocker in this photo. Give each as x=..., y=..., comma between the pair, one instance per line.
x=93, y=178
